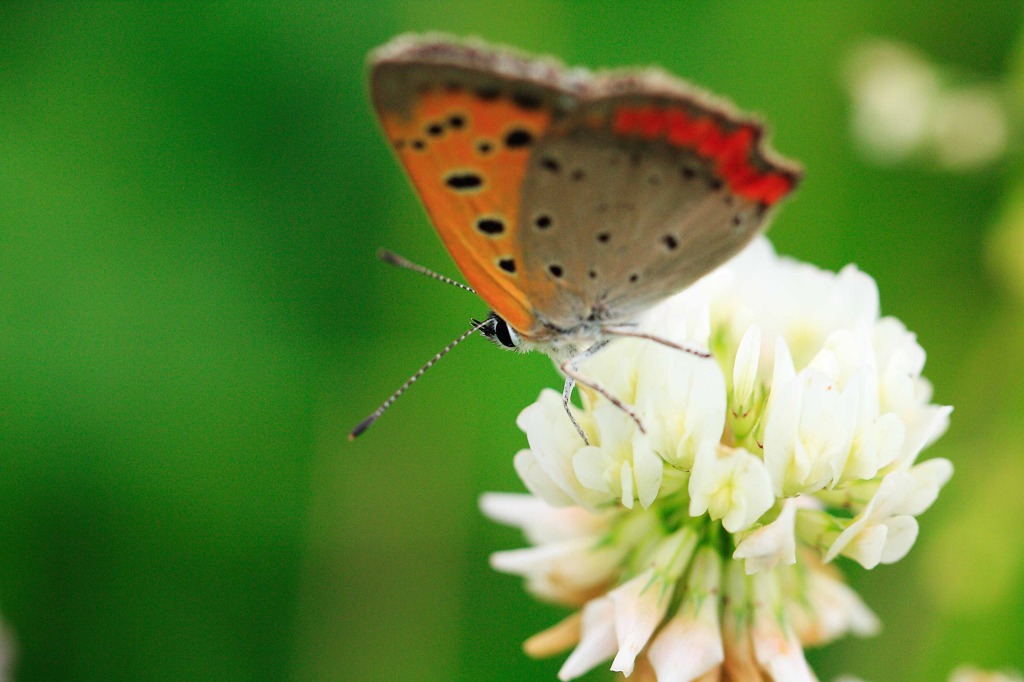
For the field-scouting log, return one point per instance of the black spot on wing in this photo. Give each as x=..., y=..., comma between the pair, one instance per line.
x=491, y=226
x=464, y=181
x=550, y=164
x=518, y=138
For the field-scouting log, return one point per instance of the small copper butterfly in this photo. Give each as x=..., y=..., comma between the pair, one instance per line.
x=571, y=201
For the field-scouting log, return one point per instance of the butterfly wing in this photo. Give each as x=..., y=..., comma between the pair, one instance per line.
x=567, y=198
x=639, y=192
x=463, y=119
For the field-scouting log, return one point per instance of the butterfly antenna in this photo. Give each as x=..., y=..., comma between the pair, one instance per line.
x=376, y=414
x=394, y=259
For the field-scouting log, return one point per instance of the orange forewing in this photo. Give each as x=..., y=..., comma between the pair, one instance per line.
x=457, y=133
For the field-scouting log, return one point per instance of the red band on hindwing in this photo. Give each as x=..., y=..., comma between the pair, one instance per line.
x=731, y=151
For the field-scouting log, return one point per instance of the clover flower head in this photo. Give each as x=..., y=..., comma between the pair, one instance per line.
x=703, y=547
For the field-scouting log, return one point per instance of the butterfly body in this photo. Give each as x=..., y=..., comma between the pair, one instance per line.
x=572, y=202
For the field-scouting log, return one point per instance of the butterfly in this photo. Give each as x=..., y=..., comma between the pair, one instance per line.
x=571, y=201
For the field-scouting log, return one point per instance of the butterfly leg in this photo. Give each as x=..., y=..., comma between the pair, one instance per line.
x=570, y=383
x=573, y=376
x=613, y=331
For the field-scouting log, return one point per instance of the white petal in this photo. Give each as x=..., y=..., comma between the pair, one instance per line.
x=834, y=610
x=752, y=493
x=770, y=545
x=929, y=476
x=616, y=368
x=597, y=640
x=854, y=355
x=702, y=481
x=648, y=469
x=626, y=481
x=776, y=648
x=871, y=434
x=690, y=644
x=825, y=362
x=729, y=484
x=780, y=434
x=540, y=521
x=682, y=400
x=901, y=532
x=576, y=564
x=890, y=433
x=512, y=509
x=809, y=432
x=744, y=371
x=861, y=293
x=923, y=429
x=605, y=470
x=686, y=648
x=590, y=465
x=786, y=664
x=865, y=547
x=537, y=480
x=782, y=368
x=640, y=605
x=553, y=441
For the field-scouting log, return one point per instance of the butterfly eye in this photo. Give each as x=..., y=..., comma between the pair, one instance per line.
x=498, y=331
x=505, y=335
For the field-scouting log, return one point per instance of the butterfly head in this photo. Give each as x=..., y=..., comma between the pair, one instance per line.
x=558, y=344
x=501, y=332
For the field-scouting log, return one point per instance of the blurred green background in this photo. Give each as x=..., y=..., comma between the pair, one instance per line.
x=192, y=317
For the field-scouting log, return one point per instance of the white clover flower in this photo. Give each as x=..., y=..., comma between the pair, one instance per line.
x=809, y=432
x=731, y=485
x=886, y=528
x=700, y=549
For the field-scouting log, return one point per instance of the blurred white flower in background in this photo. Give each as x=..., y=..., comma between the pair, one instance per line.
x=964, y=674
x=703, y=548
x=972, y=674
x=8, y=653
x=902, y=107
